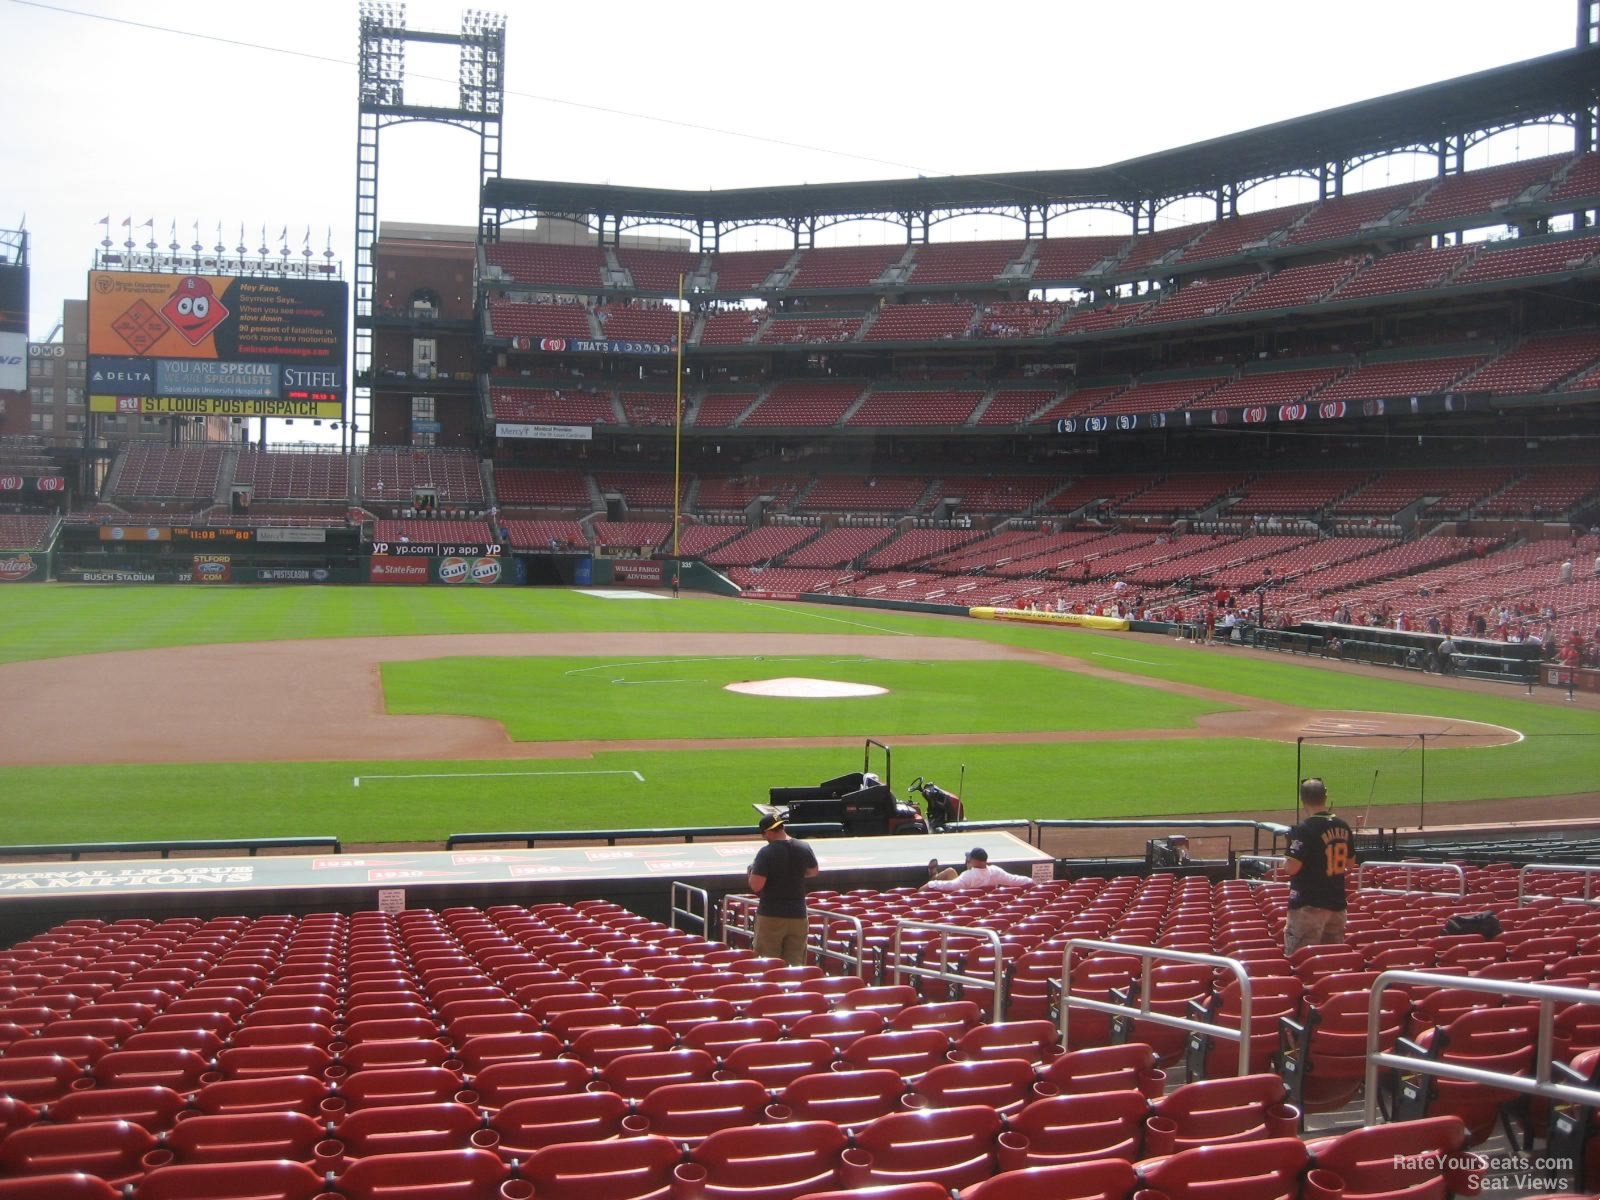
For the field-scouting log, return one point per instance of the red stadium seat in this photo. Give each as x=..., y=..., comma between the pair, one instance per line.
x=951, y=1146
x=630, y=1168
x=1069, y=1129
x=770, y=1162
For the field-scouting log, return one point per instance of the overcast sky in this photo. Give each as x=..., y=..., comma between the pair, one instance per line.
x=108, y=119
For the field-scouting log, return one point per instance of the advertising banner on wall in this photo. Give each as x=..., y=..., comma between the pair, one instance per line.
x=451, y=570
x=643, y=572
x=21, y=568
x=217, y=338
x=13, y=327
x=13, y=362
x=546, y=433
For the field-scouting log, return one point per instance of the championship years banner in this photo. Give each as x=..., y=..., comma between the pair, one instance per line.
x=562, y=345
x=1273, y=414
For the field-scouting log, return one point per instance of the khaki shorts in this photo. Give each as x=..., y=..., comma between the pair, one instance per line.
x=1310, y=926
x=782, y=937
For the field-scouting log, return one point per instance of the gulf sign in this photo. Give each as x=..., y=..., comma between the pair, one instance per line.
x=481, y=571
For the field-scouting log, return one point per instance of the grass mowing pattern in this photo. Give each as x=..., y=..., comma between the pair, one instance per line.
x=581, y=699
x=1561, y=753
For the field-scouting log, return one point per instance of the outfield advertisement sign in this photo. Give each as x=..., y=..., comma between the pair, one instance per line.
x=216, y=340
x=435, y=549
x=13, y=328
x=546, y=433
x=455, y=570
x=213, y=406
x=643, y=573
x=13, y=362
x=22, y=568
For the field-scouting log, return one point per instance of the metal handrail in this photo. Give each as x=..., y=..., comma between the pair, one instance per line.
x=739, y=911
x=1147, y=955
x=1240, y=860
x=998, y=983
x=738, y=916
x=1409, y=868
x=1259, y=827
x=688, y=895
x=857, y=961
x=1541, y=1084
x=1588, y=872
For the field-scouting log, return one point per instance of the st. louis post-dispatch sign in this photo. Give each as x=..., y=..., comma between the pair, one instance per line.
x=214, y=406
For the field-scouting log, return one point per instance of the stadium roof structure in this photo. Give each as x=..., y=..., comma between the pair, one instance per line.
x=1443, y=118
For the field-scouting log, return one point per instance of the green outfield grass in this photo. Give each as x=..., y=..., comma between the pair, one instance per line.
x=1561, y=753
x=578, y=699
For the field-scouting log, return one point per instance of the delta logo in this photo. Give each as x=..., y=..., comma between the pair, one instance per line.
x=17, y=568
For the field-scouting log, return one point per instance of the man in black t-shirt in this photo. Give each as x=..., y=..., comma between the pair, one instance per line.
x=1320, y=854
x=778, y=876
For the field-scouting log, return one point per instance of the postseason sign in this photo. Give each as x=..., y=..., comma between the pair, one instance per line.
x=217, y=338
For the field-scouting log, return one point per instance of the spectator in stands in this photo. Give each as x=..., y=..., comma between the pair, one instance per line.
x=1446, y=655
x=1319, y=855
x=778, y=876
x=1566, y=572
x=977, y=875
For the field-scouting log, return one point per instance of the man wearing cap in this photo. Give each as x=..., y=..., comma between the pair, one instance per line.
x=1320, y=853
x=977, y=876
x=778, y=876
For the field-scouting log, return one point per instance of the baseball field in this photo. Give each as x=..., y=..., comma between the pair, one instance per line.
x=393, y=716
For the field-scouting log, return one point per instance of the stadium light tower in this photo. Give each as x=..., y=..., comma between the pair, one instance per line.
x=382, y=69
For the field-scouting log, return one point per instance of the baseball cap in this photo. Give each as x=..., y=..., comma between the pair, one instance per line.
x=770, y=821
x=979, y=853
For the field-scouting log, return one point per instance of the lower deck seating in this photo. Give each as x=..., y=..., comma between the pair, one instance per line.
x=580, y=1051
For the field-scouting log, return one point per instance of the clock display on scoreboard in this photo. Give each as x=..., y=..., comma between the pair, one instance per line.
x=302, y=394
x=219, y=534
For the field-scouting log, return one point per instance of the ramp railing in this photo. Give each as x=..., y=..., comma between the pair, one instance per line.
x=1149, y=955
x=947, y=972
x=1409, y=872
x=1541, y=1084
x=1589, y=874
x=692, y=904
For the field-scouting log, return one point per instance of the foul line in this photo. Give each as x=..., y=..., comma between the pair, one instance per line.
x=789, y=608
x=1121, y=658
x=356, y=781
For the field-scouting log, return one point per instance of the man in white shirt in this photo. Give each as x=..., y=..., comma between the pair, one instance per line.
x=978, y=876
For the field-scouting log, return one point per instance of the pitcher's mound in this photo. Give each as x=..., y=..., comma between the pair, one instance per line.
x=797, y=687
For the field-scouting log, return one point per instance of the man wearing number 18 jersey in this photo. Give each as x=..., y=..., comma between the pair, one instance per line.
x=1319, y=856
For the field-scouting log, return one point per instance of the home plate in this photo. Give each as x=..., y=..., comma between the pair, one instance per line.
x=799, y=688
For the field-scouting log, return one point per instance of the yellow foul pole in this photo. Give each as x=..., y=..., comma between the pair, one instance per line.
x=677, y=439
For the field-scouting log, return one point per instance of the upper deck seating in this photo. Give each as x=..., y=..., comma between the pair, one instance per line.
x=395, y=475
x=165, y=474
x=747, y=270
x=1018, y=318
x=508, y=319
x=1235, y=235
x=842, y=267
x=551, y=266
x=280, y=475
x=657, y=270
x=1014, y=405
x=920, y=323
x=803, y=403
x=962, y=262
x=797, y=330
x=1401, y=377
x=736, y=327
x=1482, y=193
x=1071, y=257
x=851, y=493
x=1537, y=365
x=576, y=406
x=1348, y=216
x=541, y=488
x=887, y=408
